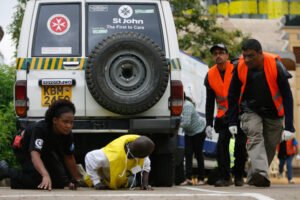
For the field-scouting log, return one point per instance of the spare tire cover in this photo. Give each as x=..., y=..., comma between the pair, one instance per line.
x=127, y=73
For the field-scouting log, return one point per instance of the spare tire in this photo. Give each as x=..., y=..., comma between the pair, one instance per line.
x=127, y=73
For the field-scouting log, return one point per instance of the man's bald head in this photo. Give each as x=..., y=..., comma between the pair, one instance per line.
x=142, y=147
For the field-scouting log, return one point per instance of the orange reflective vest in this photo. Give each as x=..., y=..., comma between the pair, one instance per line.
x=271, y=72
x=220, y=87
x=290, y=147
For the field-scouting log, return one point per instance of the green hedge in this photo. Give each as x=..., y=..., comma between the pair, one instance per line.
x=7, y=114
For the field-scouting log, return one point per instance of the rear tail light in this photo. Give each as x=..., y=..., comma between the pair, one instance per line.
x=21, y=98
x=176, y=97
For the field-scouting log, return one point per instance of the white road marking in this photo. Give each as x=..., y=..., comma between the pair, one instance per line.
x=258, y=197
x=205, y=192
x=223, y=193
x=253, y=195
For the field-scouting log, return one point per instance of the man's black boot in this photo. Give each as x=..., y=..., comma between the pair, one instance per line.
x=223, y=183
x=260, y=181
x=238, y=181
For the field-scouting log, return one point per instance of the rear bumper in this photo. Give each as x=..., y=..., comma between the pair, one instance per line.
x=133, y=125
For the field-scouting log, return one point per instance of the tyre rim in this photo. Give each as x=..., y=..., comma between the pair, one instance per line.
x=127, y=73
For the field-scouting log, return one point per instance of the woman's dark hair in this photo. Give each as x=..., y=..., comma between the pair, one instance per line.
x=57, y=108
x=252, y=44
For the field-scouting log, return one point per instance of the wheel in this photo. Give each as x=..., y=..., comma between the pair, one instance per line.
x=162, y=170
x=179, y=166
x=163, y=160
x=127, y=73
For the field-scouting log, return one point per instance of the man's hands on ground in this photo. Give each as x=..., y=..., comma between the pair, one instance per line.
x=100, y=186
x=146, y=187
x=72, y=186
x=46, y=183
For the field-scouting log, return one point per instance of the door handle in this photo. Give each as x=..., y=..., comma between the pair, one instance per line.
x=71, y=65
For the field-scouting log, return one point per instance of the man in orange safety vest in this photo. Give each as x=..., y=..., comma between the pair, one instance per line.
x=260, y=94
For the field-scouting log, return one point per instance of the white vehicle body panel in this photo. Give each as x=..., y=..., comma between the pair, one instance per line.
x=85, y=103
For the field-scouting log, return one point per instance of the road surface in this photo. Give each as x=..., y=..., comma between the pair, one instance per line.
x=278, y=191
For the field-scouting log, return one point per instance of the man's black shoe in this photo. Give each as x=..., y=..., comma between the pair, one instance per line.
x=238, y=181
x=260, y=181
x=4, y=169
x=223, y=183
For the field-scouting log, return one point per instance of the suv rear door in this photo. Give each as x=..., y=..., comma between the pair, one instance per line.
x=55, y=64
x=105, y=18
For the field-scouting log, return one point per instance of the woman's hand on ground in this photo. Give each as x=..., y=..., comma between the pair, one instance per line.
x=100, y=186
x=46, y=183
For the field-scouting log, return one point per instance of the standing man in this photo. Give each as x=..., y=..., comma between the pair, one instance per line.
x=217, y=85
x=260, y=91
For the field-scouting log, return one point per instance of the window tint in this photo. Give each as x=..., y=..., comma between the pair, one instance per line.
x=105, y=20
x=57, y=31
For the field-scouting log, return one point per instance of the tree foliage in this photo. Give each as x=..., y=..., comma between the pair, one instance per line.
x=15, y=27
x=7, y=114
x=198, y=31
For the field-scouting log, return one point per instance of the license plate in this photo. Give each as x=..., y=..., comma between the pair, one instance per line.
x=52, y=93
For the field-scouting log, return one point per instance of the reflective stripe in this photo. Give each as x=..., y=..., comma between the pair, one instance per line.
x=280, y=107
x=53, y=64
x=82, y=63
x=276, y=96
x=60, y=63
x=219, y=98
x=220, y=107
x=40, y=64
x=47, y=63
x=32, y=63
x=21, y=61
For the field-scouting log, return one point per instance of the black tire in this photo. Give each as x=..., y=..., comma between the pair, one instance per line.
x=179, y=166
x=162, y=170
x=127, y=73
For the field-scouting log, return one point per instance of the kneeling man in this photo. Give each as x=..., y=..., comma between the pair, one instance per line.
x=117, y=164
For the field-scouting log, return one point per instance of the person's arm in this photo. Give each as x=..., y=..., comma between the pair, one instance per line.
x=95, y=160
x=70, y=162
x=145, y=175
x=37, y=141
x=39, y=166
x=287, y=96
x=210, y=103
x=233, y=99
x=71, y=166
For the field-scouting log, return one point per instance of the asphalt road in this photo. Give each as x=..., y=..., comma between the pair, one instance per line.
x=280, y=192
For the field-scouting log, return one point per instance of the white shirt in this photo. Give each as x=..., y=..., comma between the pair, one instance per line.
x=94, y=160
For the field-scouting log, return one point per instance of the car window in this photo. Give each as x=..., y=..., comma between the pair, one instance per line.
x=107, y=19
x=57, y=31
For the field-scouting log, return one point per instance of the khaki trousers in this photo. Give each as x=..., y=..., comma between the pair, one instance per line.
x=263, y=135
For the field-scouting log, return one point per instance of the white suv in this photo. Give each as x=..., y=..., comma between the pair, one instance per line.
x=117, y=61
